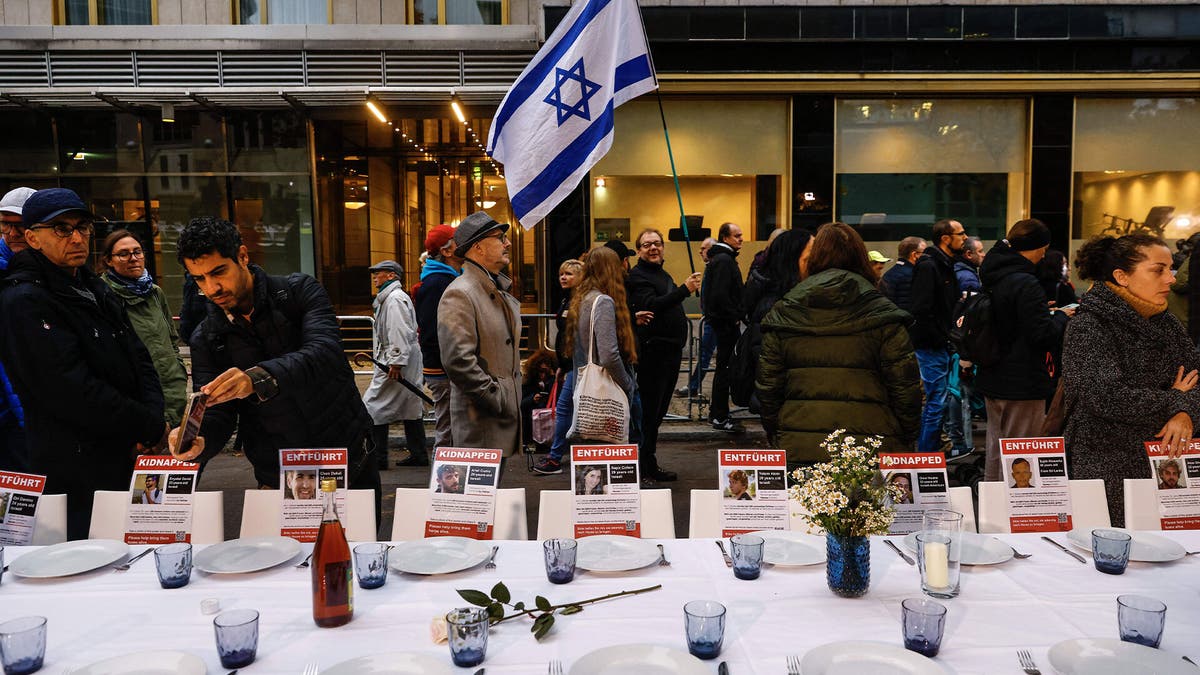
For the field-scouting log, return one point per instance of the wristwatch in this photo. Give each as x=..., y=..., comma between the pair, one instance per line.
x=265, y=384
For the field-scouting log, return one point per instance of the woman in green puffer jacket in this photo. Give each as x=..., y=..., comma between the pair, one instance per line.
x=836, y=355
x=146, y=304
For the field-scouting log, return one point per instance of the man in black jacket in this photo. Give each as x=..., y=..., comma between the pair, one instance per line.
x=269, y=356
x=934, y=296
x=91, y=395
x=722, y=300
x=1017, y=387
x=896, y=283
x=660, y=342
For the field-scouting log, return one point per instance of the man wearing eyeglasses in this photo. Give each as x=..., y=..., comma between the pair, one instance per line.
x=479, y=333
x=14, y=446
x=934, y=296
x=91, y=395
x=660, y=342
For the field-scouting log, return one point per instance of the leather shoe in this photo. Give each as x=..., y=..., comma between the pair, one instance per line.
x=661, y=474
x=414, y=460
x=648, y=483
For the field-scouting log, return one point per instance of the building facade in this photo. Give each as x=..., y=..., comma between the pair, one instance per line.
x=884, y=115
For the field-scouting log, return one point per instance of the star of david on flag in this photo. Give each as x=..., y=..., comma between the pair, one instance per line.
x=556, y=121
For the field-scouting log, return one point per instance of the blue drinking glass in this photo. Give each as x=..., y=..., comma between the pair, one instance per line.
x=923, y=622
x=704, y=623
x=237, y=637
x=1110, y=550
x=560, y=559
x=371, y=563
x=467, y=631
x=747, y=554
x=1141, y=619
x=23, y=645
x=174, y=564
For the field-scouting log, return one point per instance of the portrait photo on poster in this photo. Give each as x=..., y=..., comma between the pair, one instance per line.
x=740, y=484
x=147, y=489
x=592, y=480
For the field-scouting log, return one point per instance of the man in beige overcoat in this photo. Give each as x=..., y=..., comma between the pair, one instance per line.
x=478, y=334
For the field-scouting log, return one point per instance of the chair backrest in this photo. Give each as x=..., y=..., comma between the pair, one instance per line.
x=556, y=515
x=510, y=520
x=704, y=518
x=960, y=500
x=261, y=512
x=1089, y=505
x=108, y=516
x=1141, y=504
x=51, y=524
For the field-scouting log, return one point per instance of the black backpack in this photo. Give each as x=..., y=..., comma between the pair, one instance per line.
x=743, y=367
x=974, y=334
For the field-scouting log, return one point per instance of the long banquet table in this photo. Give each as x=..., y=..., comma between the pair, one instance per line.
x=1022, y=604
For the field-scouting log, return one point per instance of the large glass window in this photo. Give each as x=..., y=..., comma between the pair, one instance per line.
x=1137, y=167
x=282, y=11
x=190, y=144
x=471, y=12
x=108, y=12
x=902, y=164
x=27, y=145
x=99, y=142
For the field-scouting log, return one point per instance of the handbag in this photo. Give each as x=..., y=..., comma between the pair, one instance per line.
x=601, y=406
x=543, y=419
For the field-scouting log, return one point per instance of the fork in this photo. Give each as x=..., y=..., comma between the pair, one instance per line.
x=491, y=563
x=306, y=562
x=555, y=668
x=129, y=563
x=1027, y=663
x=310, y=668
x=662, y=557
x=793, y=665
x=1018, y=555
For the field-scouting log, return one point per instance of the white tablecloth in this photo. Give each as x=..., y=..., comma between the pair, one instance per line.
x=1023, y=604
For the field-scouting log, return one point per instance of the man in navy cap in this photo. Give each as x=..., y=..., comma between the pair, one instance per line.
x=91, y=395
x=479, y=331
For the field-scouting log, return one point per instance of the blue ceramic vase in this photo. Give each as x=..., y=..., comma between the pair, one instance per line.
x=848, y=568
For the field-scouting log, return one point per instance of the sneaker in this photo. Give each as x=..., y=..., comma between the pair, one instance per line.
x=414, y=460
x=728, y=426
x=547, y=466
x=647, y=483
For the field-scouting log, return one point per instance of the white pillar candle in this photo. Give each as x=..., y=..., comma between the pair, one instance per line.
x=937, y=572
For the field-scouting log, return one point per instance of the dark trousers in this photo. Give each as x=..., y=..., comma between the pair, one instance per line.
x=658, y=370
x=414, y=440
x=727, y=335
x=14, y=448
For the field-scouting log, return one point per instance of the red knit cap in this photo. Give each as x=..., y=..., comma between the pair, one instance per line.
x=437, y=238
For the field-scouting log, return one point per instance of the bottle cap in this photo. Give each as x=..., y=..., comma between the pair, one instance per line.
x=328, y=485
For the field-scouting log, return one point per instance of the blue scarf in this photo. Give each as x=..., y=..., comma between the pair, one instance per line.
x=141, y=287
x=437, y=267
x=6, y=254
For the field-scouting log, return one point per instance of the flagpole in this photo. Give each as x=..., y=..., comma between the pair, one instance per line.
x=687, y=240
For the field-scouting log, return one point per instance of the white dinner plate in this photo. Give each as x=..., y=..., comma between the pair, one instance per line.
x=395, y=663
x=147, y=663
x=1146, y=547
x=615, y=553
x=1106, y=656
x=250, y=554
x=640, y=659
x=69, y=557
x=439, y=555
x=859, y=657
x=977, y=549
x=786, y=548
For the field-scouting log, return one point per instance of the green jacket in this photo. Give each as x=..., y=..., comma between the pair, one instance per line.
x=151, y=319
x=836, y=355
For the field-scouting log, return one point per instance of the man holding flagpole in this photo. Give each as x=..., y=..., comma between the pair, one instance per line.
x=557, y=120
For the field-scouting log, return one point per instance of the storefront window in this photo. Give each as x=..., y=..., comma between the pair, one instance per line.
x=1137, y=167
x=27, y=145
x=99, y=142
x=267, y=141
x=193, y=143
x=902, y=164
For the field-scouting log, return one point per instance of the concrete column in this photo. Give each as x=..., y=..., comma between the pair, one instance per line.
x=16, y=12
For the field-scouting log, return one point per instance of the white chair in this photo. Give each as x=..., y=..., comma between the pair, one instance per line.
x=108, y=516
x=1089, y=505
x=960, y=500
x=556, y=516
x=412, y=506
x=50, y=527
x=704, y=517
x=261, y=512
x=1141, y=504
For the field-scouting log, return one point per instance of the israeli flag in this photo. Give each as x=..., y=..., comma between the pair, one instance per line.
x=557, y=120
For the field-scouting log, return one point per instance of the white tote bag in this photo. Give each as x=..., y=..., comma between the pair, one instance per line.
x=601, y=406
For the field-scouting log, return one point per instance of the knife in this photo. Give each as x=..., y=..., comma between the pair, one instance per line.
x=728, y=560
x=723, y=669
x=1066, y=550
x=900, y=553
x=480, y=671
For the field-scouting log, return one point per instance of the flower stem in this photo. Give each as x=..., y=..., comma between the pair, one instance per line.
x=553, y=608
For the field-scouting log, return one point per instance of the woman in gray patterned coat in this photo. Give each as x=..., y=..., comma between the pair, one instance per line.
x=1129, y=368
